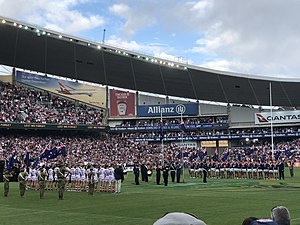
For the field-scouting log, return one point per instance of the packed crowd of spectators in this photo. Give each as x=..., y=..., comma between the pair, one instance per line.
x=108, y=149
x=176, y=121
x=210, y=132
x=19, y=104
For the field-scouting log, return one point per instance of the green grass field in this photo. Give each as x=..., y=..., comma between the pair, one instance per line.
x=220, y=202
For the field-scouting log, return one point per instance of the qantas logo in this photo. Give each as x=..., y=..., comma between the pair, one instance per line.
x=278, y=117
x=261, y=119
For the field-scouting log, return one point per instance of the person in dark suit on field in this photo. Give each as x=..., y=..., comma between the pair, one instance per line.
x=166, y=174
x=136, y=172
x=144, y=172
x=178, y=172
x=173, y=171
x=119, y=176
x=158, y=174
x=205, y=170
x=281, y=170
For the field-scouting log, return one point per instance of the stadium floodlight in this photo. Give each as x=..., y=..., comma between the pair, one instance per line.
x=89, y=44
x=59, y=36
x=37, y=30
x=20, y=26
x=25, y=27
x=44, y=33
x=15, y=24
x=48, y=34
x=147, y=58
x=71, y=39
x=99, y=47
x=3, y=21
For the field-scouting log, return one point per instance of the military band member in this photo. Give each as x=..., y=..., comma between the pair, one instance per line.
x=136, y=172
x=61, y=180
x=6, y=177
x=291, y=168
x=173, y=172
x=166, y=174
x=205, y=172
x=158, y=174
x=42, y=181
x=178, y=172
x=22, y=182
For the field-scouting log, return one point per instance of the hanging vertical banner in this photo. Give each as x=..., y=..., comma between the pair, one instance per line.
x=122, y=103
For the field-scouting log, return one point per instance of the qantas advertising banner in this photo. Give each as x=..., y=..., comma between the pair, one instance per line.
x=122, y=103
x=278, y=117
x=168, y=110
x=92, y=95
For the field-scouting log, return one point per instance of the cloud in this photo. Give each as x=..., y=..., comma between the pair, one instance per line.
x=59, y=15
x=158, y=50
x=256, y=37
x=135, y=16
x=253, y=37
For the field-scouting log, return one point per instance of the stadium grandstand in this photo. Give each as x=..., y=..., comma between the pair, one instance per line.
x=108, y=105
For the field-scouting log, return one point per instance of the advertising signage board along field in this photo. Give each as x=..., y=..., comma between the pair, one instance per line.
x=278, y=117
x=168, y=110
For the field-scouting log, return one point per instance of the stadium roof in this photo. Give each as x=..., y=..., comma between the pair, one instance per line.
x=30, y=47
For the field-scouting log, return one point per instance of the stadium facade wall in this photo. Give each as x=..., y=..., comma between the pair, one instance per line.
x=242, y=115
x=208, y=109
x=150, y=100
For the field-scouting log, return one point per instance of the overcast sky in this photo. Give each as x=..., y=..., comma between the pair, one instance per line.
x=260, y=37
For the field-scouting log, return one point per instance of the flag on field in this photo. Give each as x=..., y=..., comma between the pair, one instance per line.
x=36, y=162
x=277, y=155
x=62, y=150
x=216, y=155
x=51, y=154
x=225, y=155
x=288, y=153
x=202, y=154
x=11, y=162
x=27, y=158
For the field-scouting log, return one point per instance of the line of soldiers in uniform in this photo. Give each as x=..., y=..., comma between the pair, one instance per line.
x=61, y=177
x=238, y=169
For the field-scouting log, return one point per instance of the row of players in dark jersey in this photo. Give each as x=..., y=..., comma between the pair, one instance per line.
x=239, y=169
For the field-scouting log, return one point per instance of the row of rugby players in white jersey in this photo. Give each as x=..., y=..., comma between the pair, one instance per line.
x=76, y=178
x=238, y=169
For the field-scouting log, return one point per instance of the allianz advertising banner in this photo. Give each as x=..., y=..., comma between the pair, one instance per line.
x=278, y=117
x=82, y=92
x=168, y=110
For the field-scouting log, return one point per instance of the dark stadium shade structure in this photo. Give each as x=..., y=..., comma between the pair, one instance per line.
x=37, y=51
